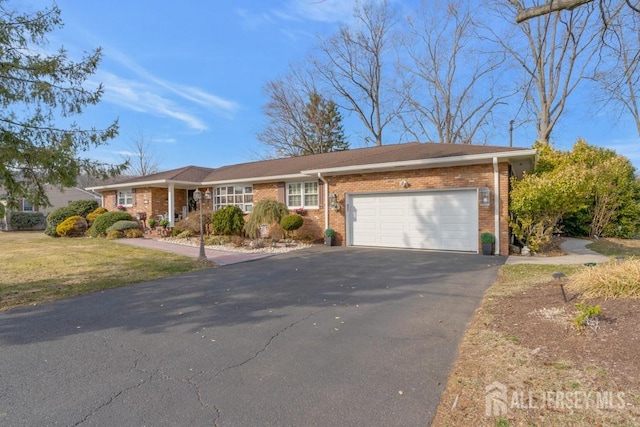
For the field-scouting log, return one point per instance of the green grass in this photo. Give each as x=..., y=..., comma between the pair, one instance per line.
x=516, y=278
x=615, y=247
x=37, y=268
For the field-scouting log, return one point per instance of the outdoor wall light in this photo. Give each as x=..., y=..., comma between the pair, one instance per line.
x=484, y=194
x=404, y=183
x=333, y=202
x=146, y=202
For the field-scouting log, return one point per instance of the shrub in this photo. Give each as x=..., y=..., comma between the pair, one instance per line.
x=133, y=233
x=83, y=207
x=266, y=211
x=93, y=215
x=186, y=234
x=1, y=210
x=487, y=237
x=106, y=220
x=20, y=220
x=74, y=226
x=586, y=314
x=217, y=240
x=237, y=241
x=290, y=223
x=610, y=280
x=115, y=234
x=228, y=220
x=123, y=225
x=55, y=218
x=192, y=222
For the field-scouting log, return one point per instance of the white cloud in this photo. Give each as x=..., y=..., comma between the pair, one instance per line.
x=324, y=10
x=155, y=95
x=144, y=98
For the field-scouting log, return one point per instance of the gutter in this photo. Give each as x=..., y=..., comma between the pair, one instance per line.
x=326, y=200
x=496, y=204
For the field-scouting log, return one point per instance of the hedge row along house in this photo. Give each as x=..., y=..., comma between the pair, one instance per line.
x=412, y=195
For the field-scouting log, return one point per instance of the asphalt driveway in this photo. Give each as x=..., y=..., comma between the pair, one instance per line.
x=322, y=336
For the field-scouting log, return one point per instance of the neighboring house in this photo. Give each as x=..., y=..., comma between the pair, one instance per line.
x=415, y=195
x=57, y=197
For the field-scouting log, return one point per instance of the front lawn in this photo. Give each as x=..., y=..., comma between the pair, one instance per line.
x=37, y=268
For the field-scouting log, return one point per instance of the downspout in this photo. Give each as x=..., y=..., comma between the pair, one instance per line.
x=326, y=201
x=496, y=204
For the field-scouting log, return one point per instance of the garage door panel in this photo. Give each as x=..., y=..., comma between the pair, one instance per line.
x=423, y=220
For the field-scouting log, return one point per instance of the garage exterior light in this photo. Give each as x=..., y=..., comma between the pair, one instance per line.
x=484, y=194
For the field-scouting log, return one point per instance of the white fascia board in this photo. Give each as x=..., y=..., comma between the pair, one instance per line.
x=146, y=184
x=425, y=163
x=274, y=178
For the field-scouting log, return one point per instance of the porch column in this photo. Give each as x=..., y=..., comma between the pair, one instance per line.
x=171, y=208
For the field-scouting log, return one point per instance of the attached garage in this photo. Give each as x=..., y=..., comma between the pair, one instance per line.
x=439, y=220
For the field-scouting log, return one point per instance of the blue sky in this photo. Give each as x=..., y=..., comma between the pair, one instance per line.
x=189, y=76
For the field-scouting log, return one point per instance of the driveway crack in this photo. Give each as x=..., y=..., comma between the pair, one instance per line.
x=269, y=341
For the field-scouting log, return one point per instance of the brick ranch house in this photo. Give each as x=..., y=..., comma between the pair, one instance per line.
x=413, y=195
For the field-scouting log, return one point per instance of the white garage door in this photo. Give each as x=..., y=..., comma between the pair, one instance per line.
x=442, y=220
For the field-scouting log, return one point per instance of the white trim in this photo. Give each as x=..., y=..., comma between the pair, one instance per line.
x=496, y=204
x=424, y=163
x=297, y=176
x=326, y=200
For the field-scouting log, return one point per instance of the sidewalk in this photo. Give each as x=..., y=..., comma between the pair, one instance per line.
x=577, y=253
x=218, y=256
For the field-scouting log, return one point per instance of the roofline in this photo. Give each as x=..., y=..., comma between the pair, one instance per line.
x=270, y=178
x=370, y=167
x=426, y=163
x=143, y=184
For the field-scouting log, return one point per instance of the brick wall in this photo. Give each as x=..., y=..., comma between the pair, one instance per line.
x=475, y=176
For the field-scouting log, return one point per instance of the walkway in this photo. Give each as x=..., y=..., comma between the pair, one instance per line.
x=220, y=257
x=577, y=253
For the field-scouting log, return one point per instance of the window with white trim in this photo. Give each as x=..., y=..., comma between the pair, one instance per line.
x=26, y=206
x=125, y=198
x=302, y=194
x=235, y=195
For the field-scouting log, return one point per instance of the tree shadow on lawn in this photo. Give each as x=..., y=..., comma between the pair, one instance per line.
x=294, y=284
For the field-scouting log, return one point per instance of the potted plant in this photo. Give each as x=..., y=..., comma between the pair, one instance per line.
x=152, y=223
x=329, y=235
x=164, y=223
x=488, y=240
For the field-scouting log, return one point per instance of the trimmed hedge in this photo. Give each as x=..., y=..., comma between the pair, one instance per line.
x=106, y=220
x=74, y=226
x=123, y=225
x=228, y=220
x=291, y=222
x=55, y=218
x=93, y=215
x=21, y=220
x=83, y=207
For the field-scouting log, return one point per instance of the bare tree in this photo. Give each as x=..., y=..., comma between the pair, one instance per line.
x=355, y=63
x=554, y=51
x=143, y=159
x=301, y=121
x=450, y=83
x=534, y=11
x=619, y=72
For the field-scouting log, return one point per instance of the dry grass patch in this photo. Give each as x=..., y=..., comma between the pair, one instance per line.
x=37, y=268
x=616, y=279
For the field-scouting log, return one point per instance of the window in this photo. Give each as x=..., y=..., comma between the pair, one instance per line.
x=240, y=196
x=26, y=206
x=302, y=195
x=125, y=198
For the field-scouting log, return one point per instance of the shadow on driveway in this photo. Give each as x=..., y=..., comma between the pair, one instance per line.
x=326, y=335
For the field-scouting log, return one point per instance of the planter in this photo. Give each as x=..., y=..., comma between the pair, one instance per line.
x=328, y=240
x=487, y=248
